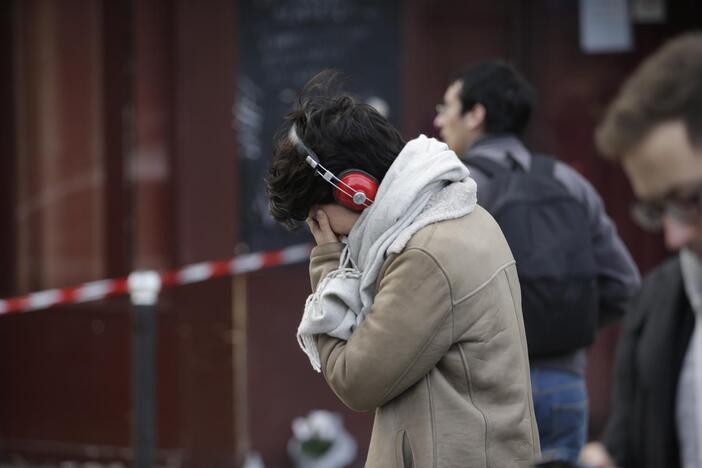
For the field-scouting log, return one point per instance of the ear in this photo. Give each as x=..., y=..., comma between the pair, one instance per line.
x=475, y=117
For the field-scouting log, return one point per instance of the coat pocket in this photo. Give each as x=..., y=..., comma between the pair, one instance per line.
x=403, y=450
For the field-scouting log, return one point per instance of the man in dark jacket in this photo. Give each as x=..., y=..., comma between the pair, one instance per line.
x=654, y=129
x=484, y=112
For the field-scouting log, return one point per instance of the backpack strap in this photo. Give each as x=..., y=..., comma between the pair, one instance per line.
x=486, y=165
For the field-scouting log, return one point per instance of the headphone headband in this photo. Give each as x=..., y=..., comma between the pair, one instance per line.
x=312, y=160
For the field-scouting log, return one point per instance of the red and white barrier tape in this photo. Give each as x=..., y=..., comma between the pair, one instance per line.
x=96, y=290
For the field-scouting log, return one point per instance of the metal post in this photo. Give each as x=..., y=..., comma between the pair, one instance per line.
x=144, y=287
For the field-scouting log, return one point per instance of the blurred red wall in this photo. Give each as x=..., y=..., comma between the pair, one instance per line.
x=118, y=153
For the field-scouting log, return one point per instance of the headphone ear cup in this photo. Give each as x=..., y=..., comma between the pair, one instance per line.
x=360, y=182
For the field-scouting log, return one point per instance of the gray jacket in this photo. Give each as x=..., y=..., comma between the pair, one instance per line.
x=618, y=275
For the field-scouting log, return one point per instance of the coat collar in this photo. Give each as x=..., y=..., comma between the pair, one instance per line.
x=499, y=148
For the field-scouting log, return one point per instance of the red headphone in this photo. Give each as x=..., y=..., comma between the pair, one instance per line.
x=354, y=189
x=362, y=186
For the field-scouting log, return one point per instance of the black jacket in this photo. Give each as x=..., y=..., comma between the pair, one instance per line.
x=641, y=430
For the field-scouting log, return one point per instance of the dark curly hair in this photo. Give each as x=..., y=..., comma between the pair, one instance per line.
x=344, y=132
x=507, y=97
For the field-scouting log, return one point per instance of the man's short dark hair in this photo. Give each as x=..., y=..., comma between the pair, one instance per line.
x=507, y=97
x=668, y=86
x=343, y=131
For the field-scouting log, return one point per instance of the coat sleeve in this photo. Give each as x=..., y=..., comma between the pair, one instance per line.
x=408, y=330
x=618, y=276
x=323, y=259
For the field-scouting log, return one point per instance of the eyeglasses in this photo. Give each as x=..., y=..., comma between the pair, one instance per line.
x=453, y=107
x=684, y=209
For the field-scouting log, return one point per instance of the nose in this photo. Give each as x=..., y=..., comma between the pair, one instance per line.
x=438, y=121
x=676, y=233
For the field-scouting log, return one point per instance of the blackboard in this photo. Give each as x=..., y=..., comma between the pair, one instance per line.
x=281, y=44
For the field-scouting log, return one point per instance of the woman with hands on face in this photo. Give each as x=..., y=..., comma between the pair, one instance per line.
x=415, y=309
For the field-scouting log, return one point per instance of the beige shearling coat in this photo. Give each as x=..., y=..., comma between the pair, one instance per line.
x=441, y=358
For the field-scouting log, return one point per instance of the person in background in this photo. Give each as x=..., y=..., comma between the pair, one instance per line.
x=575, y=272
x=654, y=130
x=415, y=310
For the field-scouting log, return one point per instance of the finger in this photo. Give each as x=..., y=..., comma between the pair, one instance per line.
x=316, y=230
x=313, y=225
x=323, y=221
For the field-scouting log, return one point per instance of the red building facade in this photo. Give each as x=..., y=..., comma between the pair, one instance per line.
x=117, y=152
